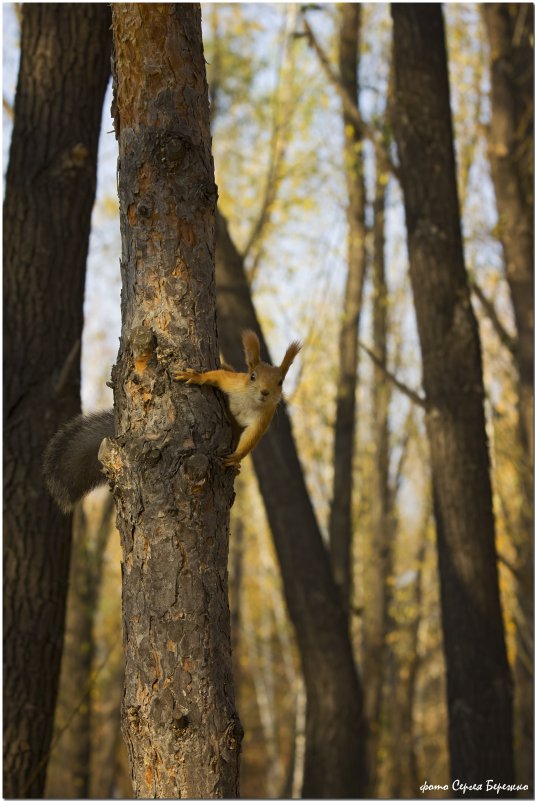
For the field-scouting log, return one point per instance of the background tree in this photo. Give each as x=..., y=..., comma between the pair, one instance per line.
x=403, y=669
x=173, y=494
x=340, y=524
x=479, y=687
x=50, y=188
x=110, y=772
x=334, y=763
x=69, y=773
x=510, y=34
x=377, y=574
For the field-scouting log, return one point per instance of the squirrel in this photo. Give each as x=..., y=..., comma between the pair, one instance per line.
x=71, y=466
x=252, y=396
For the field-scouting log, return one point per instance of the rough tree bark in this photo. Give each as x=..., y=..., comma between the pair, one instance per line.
x=478, y=679
x=340, y=521
x=335, y=731
x=173, y=494
x=50, y=188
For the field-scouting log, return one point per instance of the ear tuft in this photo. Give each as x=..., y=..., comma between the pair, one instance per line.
x=251, y=346
x=291, y=352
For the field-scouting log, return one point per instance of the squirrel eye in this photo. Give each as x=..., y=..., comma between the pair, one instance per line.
x=280, y=383
x=253, y=376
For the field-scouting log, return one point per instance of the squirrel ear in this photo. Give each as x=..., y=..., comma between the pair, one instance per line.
x=291, y=352
x=251, y=346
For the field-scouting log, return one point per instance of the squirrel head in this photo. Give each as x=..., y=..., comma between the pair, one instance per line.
x=265, y=380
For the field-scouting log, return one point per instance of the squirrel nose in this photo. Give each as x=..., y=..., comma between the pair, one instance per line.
x=265, y=392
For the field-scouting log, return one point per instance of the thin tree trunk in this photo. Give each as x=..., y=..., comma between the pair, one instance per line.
x=404, y=672
x=380, y=553
x=270, y=721
x=173, y=494
x=340, y=522
x=262, y=676
x=511, y=160
x=70, y=765
x=299, y=746
x=50, y=189
x=510, y=33
x=335, y=731
x=478, y=678
x=107, y=740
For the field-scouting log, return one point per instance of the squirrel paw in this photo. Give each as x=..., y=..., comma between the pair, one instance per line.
x=233, y=461
x=184, y=375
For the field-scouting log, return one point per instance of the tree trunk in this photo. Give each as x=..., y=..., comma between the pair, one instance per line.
x=262, y=678
x=50, y=188
x=173, y=494
x=107, y=741
x=69, y=771
x=510, y=32
x=511, y=160
x=340, y=522
x=378, y=569
x=335, y=732
x=404, y=666
x=478, y=679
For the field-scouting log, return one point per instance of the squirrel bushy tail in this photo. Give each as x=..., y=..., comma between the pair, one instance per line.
x=70, y=465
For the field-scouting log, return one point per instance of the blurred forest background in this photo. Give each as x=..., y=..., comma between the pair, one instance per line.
x=279, y=129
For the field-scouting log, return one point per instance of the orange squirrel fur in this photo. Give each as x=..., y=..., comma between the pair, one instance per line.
x=252, y=396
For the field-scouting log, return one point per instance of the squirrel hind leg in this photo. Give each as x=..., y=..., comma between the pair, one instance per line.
x=249, y=438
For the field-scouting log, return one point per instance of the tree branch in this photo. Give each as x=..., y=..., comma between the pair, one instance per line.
x=504, y=336
x=414, y=396
x=8, y=107
x=404, y=446
x=68, y=364
x=501, y=559
x=349, y=103
x=283, y=110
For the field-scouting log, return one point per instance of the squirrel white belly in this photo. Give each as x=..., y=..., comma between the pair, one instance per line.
x=71, y=466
